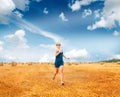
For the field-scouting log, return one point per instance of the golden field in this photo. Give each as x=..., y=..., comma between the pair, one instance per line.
x=81, y=80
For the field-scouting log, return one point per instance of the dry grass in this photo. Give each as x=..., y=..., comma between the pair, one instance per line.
x=118, y=63
x=30, y=63
x=13, y=63
x=83, y=80
x=1, y=63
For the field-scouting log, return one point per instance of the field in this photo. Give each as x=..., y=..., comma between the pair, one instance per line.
x=81, y=80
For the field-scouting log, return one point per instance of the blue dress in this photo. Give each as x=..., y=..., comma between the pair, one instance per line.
x=59, y=60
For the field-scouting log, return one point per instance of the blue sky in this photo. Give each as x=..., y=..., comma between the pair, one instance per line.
x=89, y=30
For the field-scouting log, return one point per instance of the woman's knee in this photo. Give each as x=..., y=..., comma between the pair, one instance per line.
x=61, y=71
x=56, y=72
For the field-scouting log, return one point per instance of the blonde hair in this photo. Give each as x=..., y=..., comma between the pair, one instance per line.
x=58, y=43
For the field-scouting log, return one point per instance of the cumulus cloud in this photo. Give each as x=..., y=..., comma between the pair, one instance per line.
x=18, y=38
x=116, y=56
x=77, y=54
x=10, y=58
x=45, y=11
x=87, y=12
x=110, y=17
x=3, y=55
x=62, y=16
x=8, y=6
x=32, y=28
x=15, y=18
x=2, y=50
x=18, y=14
x=116, y=33
x=1, y=47
x=78, y=4
x=101, y=23
x=52, y=46
x=33, y=53
x=97, y=13
x=21, y=4
x=45, y=58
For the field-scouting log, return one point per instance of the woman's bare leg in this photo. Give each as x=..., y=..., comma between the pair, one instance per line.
x=56, y=72
x=61, y=74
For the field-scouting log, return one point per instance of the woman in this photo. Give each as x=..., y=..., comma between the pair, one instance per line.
x=59, y=64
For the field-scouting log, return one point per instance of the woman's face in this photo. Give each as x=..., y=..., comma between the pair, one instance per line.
x=58, y=46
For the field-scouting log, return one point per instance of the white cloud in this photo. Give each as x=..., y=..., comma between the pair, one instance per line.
x=62, y=16
x=101, y=23
x=45, y=11
x=77, y=54
x=116, y=33
x=18, y=38
x=33, y=53
x=97, y=13
x=117, y=56
x=32, y=28
x=78, y=4
x=17, y=41
x=111, y=15
x=14, y=49
x=22, y=4
x=10, y=58
x=52, y=46
x=45, y=58
x=1, y=47
x=3, y=53
x=87, y=12
x=18, y=14
x=6, y=7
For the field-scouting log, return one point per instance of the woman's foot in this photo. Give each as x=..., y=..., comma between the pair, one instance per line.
x=62, y=84
x=53, y=78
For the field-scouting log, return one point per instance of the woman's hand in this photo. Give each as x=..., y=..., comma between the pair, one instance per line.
x=67, y=58
x=60, y=50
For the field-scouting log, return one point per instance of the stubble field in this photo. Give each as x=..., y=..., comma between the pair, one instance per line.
x=81, y=80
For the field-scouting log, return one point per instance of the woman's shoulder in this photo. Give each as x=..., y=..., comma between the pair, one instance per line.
x=56, y=49
x=61, y=49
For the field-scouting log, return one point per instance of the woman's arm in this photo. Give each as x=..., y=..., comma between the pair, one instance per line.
x=65, y=57
x=57, y=52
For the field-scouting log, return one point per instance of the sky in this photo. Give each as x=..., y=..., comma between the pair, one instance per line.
x=89, y=30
